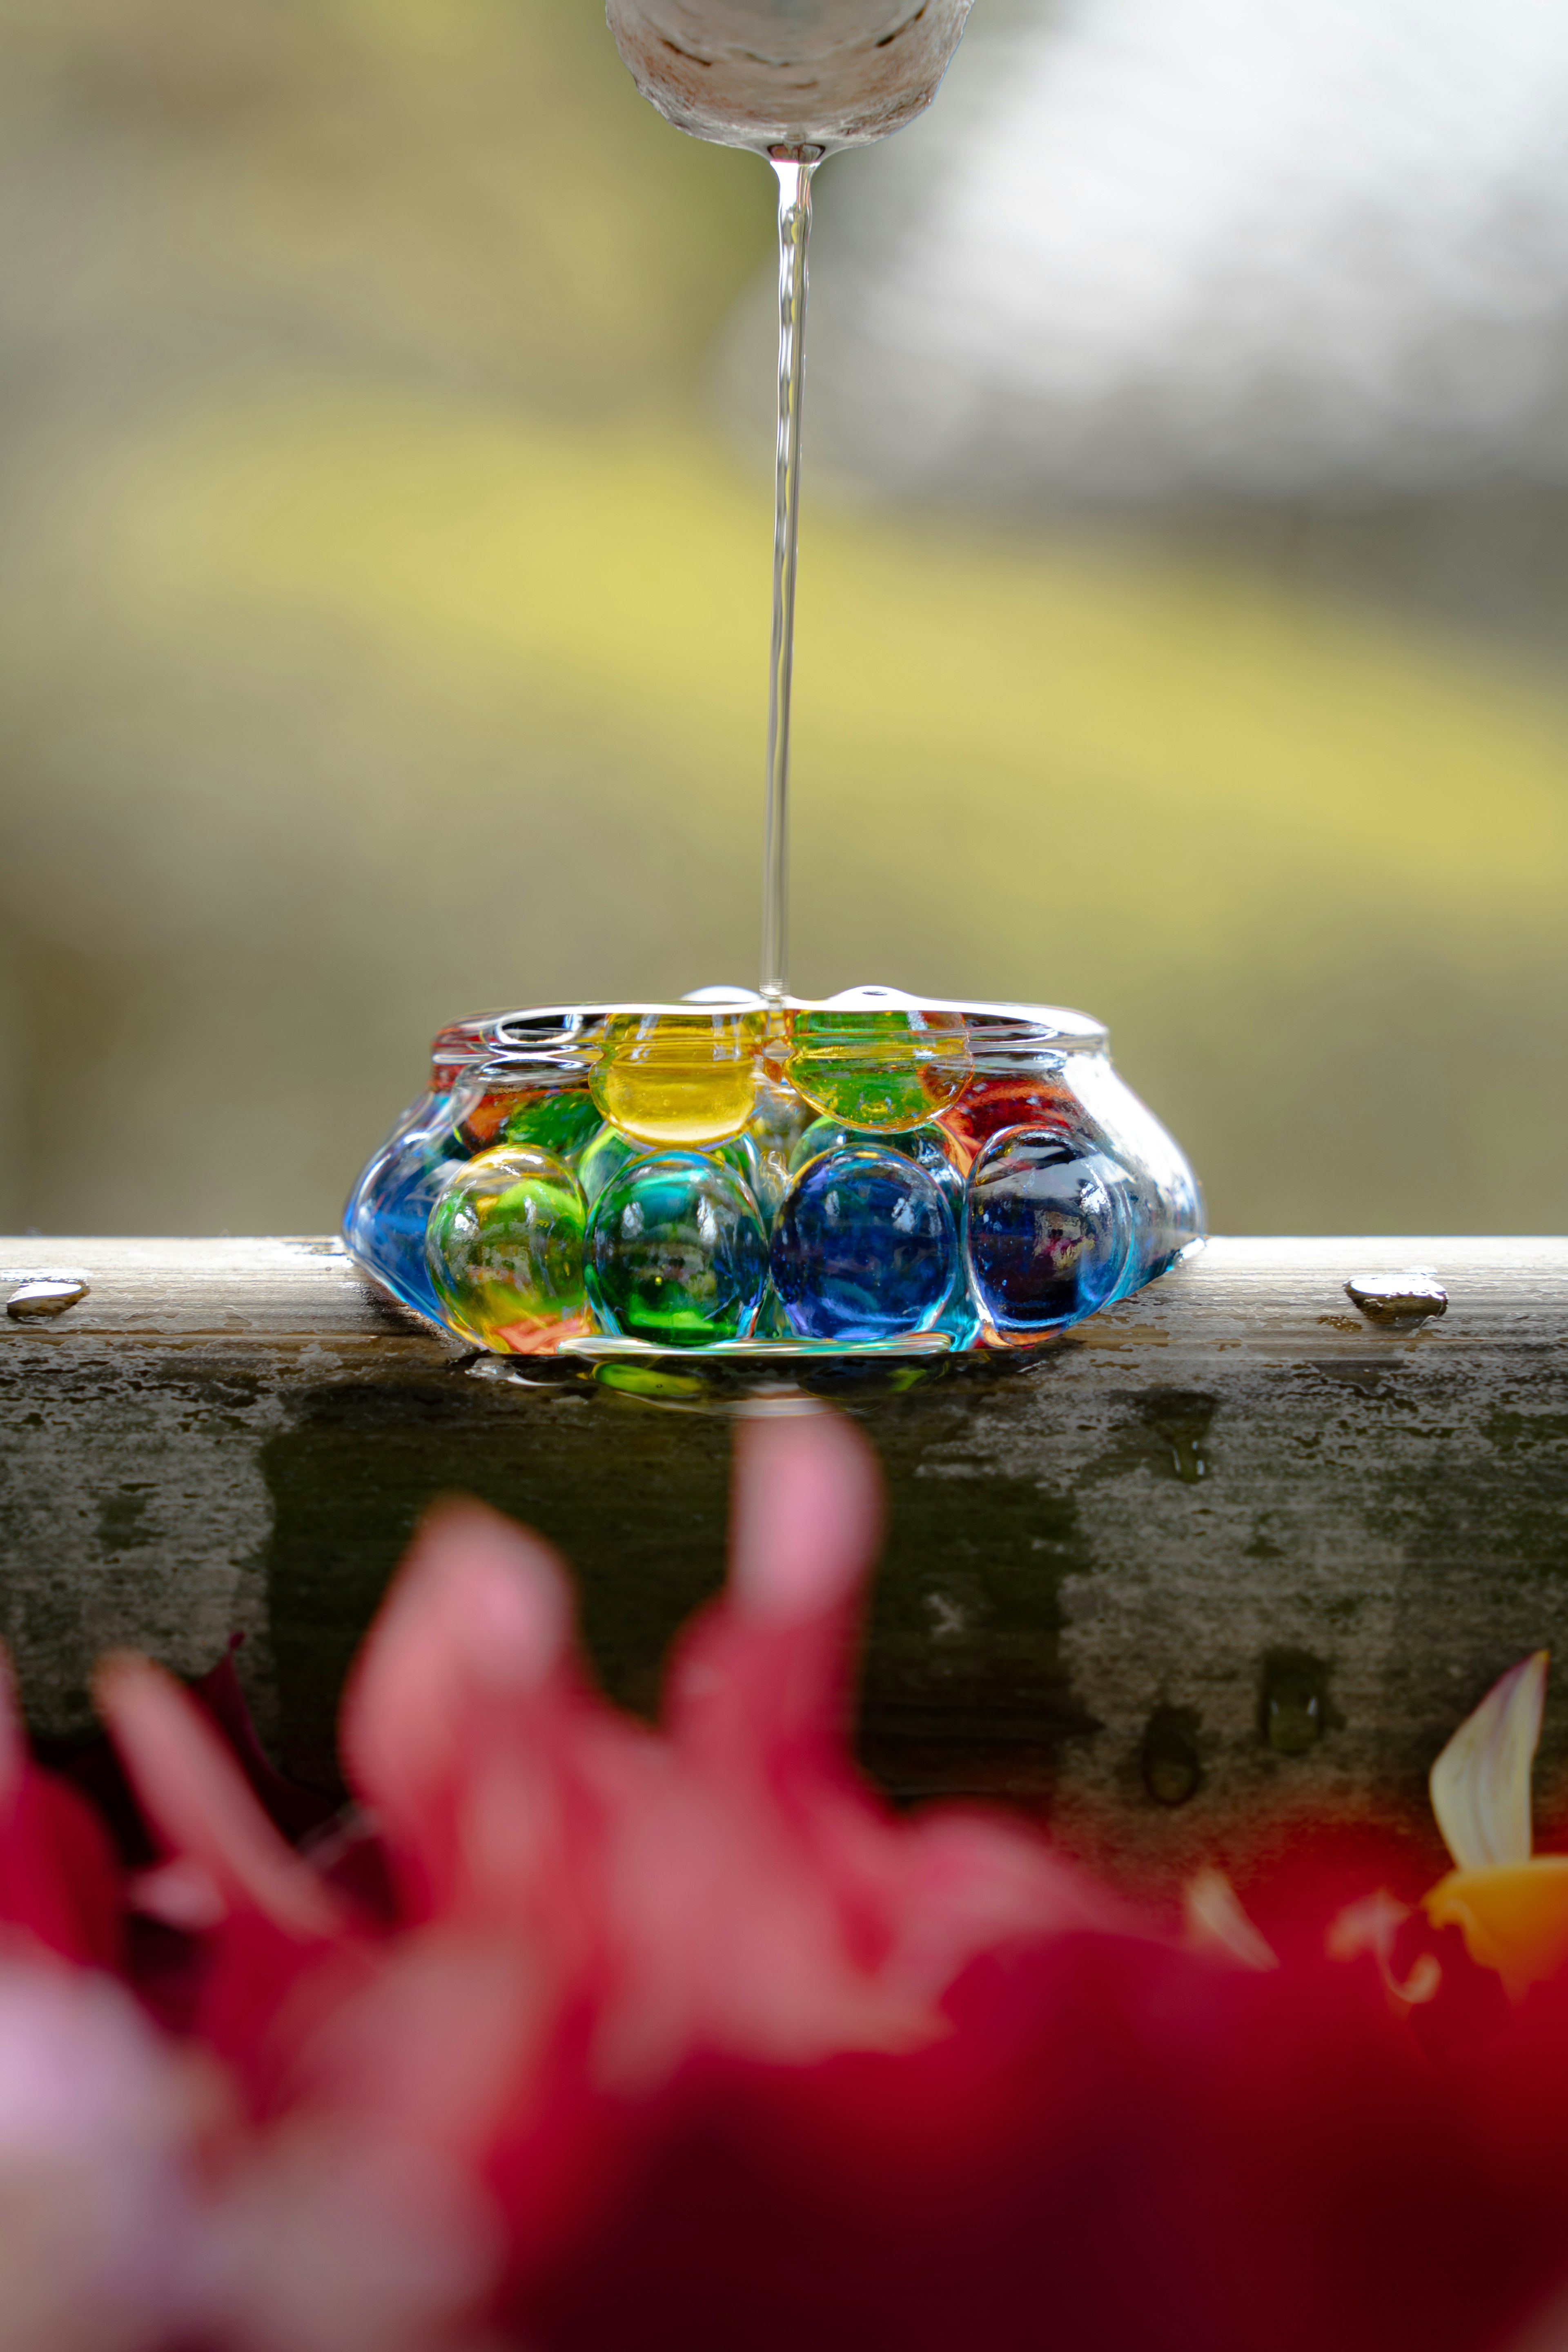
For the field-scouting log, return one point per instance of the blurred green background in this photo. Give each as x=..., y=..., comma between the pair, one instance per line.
x=382, y=637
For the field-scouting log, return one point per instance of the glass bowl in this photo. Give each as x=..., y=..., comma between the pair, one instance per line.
x=875, y=1176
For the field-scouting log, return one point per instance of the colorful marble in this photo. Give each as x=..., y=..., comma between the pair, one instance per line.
x=864, y=1246
x=504, y=1248
x=1047, y=1231
x=677, y=1252
x=679, y=1078
x=558, y=1117
x=879, y=1071
x=991, y=1105
x=562, y=1121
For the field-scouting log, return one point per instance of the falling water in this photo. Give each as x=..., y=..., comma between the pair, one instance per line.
x=794, y=167
x=794, y=81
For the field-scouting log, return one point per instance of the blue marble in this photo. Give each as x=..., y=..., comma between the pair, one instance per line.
x=936, y=1152
x=1048, y=1231
x=389, y=1208
x=864, y=1246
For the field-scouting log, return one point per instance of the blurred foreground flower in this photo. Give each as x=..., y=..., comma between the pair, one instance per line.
x=573, y=2034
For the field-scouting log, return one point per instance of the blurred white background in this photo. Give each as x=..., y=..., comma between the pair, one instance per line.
x=1166, y=249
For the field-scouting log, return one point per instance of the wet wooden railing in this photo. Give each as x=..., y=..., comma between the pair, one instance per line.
x=1234, y=1548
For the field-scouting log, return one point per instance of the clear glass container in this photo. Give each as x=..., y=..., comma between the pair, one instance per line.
x=730, y=1179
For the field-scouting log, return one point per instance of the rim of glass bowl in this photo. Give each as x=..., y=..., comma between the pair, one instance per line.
x=559, y=1033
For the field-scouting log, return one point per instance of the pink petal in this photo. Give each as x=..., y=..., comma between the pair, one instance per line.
x=331, y=2239
x=295, y=1811
x=197, y=1799
x=448, y=1691
x=58, y=1878
x=768, y=1902
x=807, y=1518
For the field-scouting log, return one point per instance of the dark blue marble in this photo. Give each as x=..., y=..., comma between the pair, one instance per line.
x=1048, y=1231
x=864, y=1246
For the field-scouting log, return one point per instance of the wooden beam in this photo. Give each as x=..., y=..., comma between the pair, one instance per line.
x=1232, y=1551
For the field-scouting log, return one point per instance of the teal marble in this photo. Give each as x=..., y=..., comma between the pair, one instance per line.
x=677, y=1252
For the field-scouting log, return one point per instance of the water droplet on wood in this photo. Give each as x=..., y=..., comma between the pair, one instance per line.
x=1170, y=1757
x=1390, y=1298
x=1182, y=1420
x=1293, y=1706
x=44, y=1298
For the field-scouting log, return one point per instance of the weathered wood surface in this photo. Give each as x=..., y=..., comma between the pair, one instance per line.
x=1231, y=1523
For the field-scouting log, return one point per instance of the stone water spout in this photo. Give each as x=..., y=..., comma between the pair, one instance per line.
x=788, y=74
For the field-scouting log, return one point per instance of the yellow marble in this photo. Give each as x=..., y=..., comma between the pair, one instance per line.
x=679, y=1078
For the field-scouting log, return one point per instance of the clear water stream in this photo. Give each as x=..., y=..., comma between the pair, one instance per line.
x=794, y=169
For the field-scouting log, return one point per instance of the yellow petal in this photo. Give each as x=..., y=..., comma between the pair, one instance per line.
x=1481, y=1783
x=1513, y=1916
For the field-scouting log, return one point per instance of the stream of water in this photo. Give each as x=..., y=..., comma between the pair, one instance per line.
x=794, y=170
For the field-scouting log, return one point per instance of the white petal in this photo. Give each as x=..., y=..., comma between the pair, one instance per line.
x=1216, y=1923
x=1373, y=1926
x=1481, y=1783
